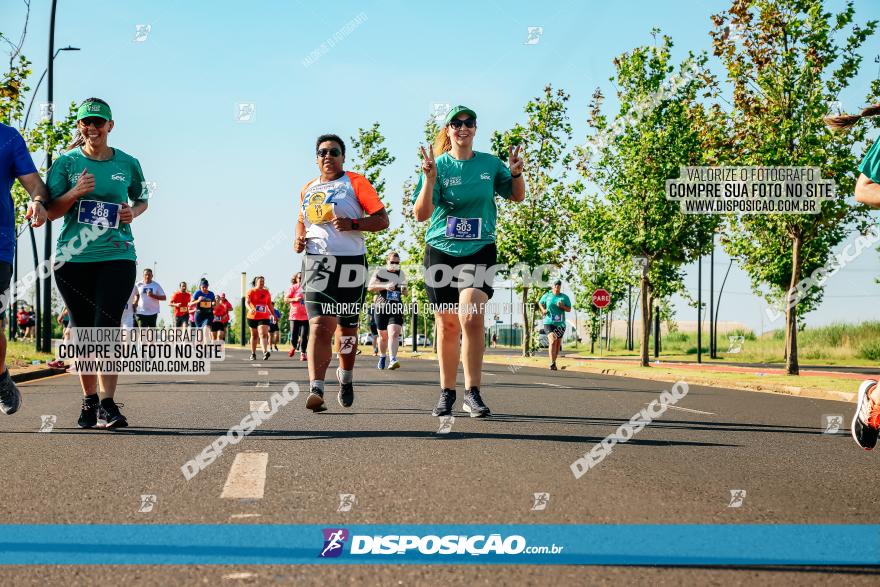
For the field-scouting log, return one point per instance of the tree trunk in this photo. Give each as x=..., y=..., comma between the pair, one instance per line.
x=527, y=326
x=646, y=318
x=791, y=358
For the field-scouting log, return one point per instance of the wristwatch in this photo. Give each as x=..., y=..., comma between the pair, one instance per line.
x=355, y=225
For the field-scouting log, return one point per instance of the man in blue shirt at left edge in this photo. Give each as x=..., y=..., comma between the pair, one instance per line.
x=15, y=162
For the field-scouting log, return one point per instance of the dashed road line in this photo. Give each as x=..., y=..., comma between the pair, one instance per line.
x=247, y=476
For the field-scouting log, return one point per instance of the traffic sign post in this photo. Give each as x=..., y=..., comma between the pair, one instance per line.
x=601, y=299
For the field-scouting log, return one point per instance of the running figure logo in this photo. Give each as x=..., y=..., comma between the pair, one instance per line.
x=439, y=110
x=346, y=502
x=446, y=423
x=318, y=272
x=47, y=423
x=346, y=345
x=832, y=423
x=334, y=540
x=736, y=344
x=141, y=32
x=541, y=501
x=737, y=497
x=47, y=109
x=147, y=503
x=246, y=112
x=534, y=33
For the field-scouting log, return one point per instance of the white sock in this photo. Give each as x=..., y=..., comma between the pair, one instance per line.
x=319, y=383
x=381, y=356
x=343, y=375
x=393, y=359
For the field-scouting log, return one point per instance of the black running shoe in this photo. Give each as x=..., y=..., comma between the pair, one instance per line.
x=473, y=404
x=866, y=421
x=10, y=397
x=266, y=355
x=345, y=397
x=445, y=403
x=111, y=415
x=553, y=366
x=315, y=401
x=253, y=356
x=88, y=415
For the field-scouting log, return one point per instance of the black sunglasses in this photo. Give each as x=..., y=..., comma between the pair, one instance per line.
x=95, y=121
x=468, y=122
x=334, y=152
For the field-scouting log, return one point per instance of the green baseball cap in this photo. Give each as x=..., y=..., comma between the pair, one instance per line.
x=458, y=110
x=93, y=109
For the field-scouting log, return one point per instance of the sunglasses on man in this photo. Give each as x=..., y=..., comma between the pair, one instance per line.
x=334, y=152
x=468, y=122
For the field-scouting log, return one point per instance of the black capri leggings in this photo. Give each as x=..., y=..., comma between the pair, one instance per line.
x=299, y=332
x=96, y=293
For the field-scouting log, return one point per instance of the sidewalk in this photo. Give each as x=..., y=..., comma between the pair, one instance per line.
x=824, y=385
x=760, y=370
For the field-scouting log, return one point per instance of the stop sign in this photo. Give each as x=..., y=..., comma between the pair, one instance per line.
x=601, y=298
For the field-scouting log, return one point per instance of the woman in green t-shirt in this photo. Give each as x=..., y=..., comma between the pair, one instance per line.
x=89, y=186
x=865, y=425
x=456, y=191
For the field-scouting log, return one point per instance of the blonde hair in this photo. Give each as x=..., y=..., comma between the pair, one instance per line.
x=847, y=121
x=442, y=143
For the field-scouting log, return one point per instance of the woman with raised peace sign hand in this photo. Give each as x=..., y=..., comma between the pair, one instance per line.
x=456, y=191
x=90, y=186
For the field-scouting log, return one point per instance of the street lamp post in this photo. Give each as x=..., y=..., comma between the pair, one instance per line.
x=712, y=354
x=243, y=311
x=40, y=82
x=47, y=243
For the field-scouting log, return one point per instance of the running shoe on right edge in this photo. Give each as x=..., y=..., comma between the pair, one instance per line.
x=866, y=420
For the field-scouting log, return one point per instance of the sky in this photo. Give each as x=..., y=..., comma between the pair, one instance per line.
x=226, y=187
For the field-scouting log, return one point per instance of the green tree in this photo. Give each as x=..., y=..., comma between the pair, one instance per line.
x=630, y=158
x=413, y=241
x=370, y=159
x=533, y=233
x=785, y=66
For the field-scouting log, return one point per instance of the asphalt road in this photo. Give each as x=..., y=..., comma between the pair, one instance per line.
x=385, y=450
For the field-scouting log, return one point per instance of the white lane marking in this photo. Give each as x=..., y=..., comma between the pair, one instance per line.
x=555, y=385
x=236, y=516
x=689, y=410
x=247, y=476
x=259, y=406
x=265, y=382
x=236, y=576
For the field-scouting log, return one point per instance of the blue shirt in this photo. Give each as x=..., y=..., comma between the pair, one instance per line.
x=206, y=302
x=15, y=161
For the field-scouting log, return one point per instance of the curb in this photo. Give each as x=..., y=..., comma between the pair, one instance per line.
x=790, y=390
x=33, y=373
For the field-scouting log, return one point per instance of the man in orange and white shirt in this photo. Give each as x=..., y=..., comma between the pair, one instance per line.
x=335, y=209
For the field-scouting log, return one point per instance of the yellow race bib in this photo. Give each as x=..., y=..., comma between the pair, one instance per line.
x=316, y=210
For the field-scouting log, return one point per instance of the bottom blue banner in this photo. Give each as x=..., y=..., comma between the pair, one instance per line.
x=259, y=544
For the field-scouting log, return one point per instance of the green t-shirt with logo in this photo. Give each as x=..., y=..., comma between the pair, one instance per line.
x=117, y=180
x=871, y=163
x=555, y=315
x=464, y=215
